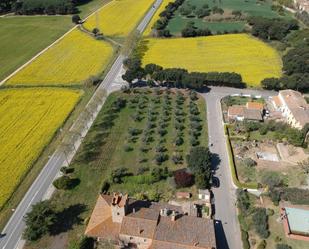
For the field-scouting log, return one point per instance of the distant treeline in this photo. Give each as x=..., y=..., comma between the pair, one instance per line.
x=40, y=7
x=178, y=77
x=296, y=71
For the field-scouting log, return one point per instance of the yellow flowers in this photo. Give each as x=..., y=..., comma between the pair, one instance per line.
x=156, y=16
x=239, y=53
x=28, y=120
x=119, y=17
x=70, y=61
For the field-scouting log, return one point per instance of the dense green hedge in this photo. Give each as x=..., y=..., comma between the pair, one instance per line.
x=232, y=164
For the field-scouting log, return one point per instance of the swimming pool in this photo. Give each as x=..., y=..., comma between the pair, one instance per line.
x=298, y=220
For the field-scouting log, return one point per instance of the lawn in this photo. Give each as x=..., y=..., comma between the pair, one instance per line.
x=72, y=60
x=104, y=149
x=178, y=23
x=239, y=53
x=119, y=17
x=28, y=120
x=24, y=37
x=248, y=7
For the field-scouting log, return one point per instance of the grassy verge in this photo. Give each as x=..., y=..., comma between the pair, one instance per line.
x=106, y=140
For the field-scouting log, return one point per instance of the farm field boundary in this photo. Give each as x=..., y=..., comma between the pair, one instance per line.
x=239, y=53
x=48, y=47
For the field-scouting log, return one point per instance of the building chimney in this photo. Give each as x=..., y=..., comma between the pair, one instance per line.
x=173, y=216
x=133, y=210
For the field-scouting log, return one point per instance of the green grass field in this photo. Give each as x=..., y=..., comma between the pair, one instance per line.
x=24, y=37
x=178, y=23
x=106, y=140
x=248, y=7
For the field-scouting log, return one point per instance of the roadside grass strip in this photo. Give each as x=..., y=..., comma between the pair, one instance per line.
x=70, y=61
x=28, y=120
x=119, y=17
x=239, y=53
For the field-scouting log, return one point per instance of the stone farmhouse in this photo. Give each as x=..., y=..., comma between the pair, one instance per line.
x=293, y=107
x=131, y=223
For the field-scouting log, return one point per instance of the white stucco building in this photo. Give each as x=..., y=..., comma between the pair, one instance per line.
x=293, y=106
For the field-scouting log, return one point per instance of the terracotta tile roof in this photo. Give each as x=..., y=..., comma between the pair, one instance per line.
x=134, y=226
x=145, y=213
x=253, y=114
x=187, y=230
x=236, y=110
x=100, y=223
x=170, y=245
x=255, y=106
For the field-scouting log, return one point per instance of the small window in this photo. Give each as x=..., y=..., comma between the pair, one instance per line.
x=145, y=240
x=118, y=213
x=131, y=238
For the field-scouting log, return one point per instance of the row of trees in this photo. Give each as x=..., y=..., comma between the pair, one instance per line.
x=159, y=28
x=192, y=31
x=49, y=7
x=178, y=77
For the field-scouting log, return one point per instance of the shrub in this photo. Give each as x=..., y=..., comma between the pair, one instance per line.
x=127, y=148
x=160, y=158
x=244, y=238
x=274, y=195
x=296, y=195
x=271, y=179
x=194, y=141
x=249, y=162
x=76, y=19
x=65, y=182
x=105, y=187
x=179, y=140
x=283, y=246
x=141, y=170
x=66, y=170
x=260, y=223
x=117, y=174
x=158, y=174
x=262, y=245
x=177, y=158
x=270, y=212
x=243, y=201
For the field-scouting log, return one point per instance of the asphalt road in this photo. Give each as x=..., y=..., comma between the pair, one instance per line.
x=15, y=226
x=226, y=225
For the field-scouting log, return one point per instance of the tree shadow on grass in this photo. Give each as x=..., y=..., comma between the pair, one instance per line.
x=67, y=218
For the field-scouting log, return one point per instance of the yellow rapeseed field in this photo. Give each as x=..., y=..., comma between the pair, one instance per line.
x=28, y=120
x=70, y=61
x=239, y=53
x=119, y=17
x=156, y=16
